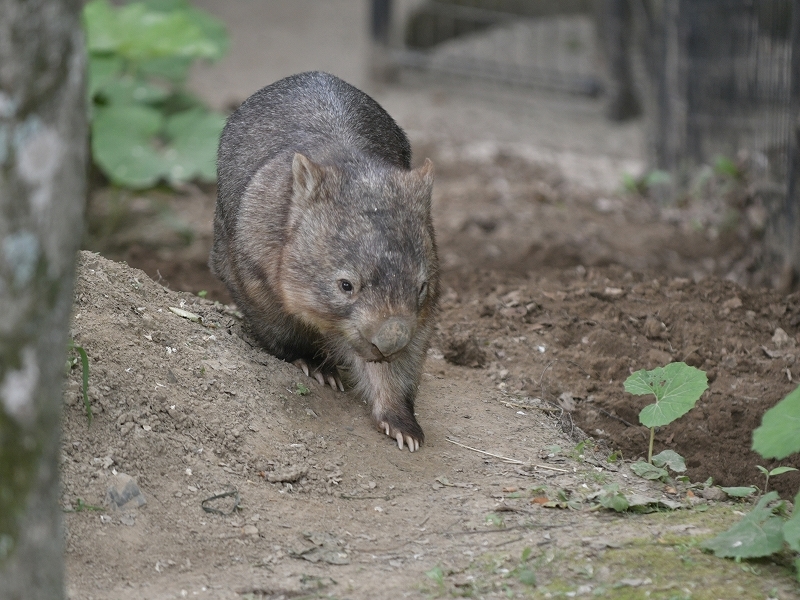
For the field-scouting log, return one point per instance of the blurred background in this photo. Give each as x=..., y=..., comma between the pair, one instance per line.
x=676, y=121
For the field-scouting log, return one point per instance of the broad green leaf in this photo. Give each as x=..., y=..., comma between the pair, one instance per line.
x=100, y=24
x=130, y=90
x=122, y=145
x=648, y=471
x=138, y=32
x=739, y=492
x=726, y=166
x=760, y=533
x=102, y=69
x=172, y=68
x=778, y=436
x=211, y=27
x=527, y=577
x=781, y=470
x=657, y=177
x=677, y=387
x=791, y=528
x=671, y=459
x=613, y=499
x=194, y=136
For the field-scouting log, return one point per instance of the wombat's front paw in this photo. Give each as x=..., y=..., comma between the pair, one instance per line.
x=412, y=436
x=312, y=369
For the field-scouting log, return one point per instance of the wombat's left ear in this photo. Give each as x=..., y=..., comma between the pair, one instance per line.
x=425, y=173
x=307, y=176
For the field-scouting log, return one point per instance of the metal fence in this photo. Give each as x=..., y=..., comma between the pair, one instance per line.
x=720, y=80
x=545, y=44
x=724, y=80
x=715, y=77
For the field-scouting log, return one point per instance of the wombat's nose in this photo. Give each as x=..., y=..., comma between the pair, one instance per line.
x=393, y=335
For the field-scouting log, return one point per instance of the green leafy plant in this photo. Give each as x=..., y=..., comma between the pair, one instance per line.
x=84, y=360
x=612, y=498
x=778, y=436
x=760, y=533
x=769, y=473
x=677, y=388
x=644, y=183
x=725, y=166
x=496, y=520
x=765, y=530
x=436, y=574
x=80, y=506
x=145, y=126
x=522, y=571
x=739, y=491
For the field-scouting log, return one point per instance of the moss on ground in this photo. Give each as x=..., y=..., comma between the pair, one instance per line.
x=657, y=556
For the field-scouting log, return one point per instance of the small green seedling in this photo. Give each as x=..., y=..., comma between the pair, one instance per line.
x=202, y=293
x=644, y=183
x=437, y=576
x=775, y=471
x=82, y=356
x=496, y=520
x=81, y=506
x=303, y=389
x=677, y=388
x=523, y=572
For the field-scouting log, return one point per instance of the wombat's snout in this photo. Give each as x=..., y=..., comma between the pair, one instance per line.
x=392, y=337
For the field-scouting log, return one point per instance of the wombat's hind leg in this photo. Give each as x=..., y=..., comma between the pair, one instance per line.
x=323, y=376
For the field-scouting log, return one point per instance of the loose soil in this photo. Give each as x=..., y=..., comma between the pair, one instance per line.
x=553, y=295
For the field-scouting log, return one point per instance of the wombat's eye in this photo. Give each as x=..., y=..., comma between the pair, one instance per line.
x=346, y=286
x=423, y=290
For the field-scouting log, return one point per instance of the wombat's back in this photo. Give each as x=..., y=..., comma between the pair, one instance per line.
x=313, y=113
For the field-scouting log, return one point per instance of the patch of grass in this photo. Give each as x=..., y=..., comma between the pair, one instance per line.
x=84, y=361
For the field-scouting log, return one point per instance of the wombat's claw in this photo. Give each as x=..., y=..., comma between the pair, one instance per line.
x=410, y=442
x=332, y=378
x=302, y=365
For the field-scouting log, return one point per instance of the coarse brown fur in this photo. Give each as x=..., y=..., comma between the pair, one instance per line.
x=323, y=235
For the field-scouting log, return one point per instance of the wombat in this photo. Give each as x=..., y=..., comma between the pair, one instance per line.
x=323, y=235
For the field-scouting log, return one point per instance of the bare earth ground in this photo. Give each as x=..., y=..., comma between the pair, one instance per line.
x=553, y=295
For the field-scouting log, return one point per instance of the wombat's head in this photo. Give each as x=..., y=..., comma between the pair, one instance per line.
x=360, y=261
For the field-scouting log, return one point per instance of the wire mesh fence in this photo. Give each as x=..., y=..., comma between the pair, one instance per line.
x=526, y=43
x=720, y=76
x=717, y=78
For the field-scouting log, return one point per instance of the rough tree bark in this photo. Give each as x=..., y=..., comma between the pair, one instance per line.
x=43, y=135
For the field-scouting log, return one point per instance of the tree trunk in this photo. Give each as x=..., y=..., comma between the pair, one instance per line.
x=43, y=150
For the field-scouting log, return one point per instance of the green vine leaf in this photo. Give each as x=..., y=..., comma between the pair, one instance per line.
x=760, y=533
x=677, y=387
x=670, y=459
x=778, y=436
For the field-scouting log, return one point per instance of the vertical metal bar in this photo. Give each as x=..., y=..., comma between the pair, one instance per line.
x=792, y=203
x=380, y=19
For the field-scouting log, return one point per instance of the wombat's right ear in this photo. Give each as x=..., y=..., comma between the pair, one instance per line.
x=307, y=176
